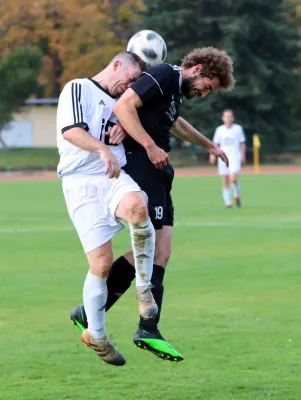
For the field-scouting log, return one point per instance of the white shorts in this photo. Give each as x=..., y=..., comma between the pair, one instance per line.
x=91, y=202
x=234, y=167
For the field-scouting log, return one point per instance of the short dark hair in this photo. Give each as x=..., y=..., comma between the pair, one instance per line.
x=228, y=110
x=215, y=63
x=130, y=57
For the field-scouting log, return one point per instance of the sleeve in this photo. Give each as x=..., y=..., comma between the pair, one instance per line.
x=73, y=107
x=216, y=137
x=242, y=137
x=153, y=82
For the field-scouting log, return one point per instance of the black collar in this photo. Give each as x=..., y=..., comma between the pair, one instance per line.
x=101, y=88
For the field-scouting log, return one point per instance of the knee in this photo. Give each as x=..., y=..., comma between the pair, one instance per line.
x=136, y=210
x=100, y=264
x=233, y=178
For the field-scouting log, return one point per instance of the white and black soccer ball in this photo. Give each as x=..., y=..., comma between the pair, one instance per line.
x=149, y=46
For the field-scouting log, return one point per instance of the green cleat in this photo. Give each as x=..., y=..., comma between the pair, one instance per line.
x=156, y=344
x=79, y=318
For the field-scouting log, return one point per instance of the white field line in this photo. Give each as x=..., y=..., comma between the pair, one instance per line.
x=293, y=218
x=280, y=224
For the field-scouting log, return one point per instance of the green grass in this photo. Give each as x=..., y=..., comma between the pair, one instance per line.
x=39, y=159
x=29, y=159
x=232, y=299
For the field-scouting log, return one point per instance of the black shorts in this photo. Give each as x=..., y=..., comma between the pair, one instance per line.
x=155, y=183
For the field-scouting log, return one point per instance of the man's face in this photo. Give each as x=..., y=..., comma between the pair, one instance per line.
x=199, y=86
x=228, y=118
x=194, y=84
x=122, y=77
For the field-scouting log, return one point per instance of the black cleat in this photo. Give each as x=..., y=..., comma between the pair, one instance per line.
x=154, y=342
x=238, y=201
x=79, y=318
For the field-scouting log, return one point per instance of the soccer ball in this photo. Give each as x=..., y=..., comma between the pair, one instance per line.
x=149, y=46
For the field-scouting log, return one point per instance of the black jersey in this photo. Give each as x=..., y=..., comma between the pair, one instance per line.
x=159, y=89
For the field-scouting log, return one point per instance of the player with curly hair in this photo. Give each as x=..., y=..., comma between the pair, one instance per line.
x=148, y=111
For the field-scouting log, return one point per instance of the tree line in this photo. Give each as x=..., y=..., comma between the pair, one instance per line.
x=44, y=44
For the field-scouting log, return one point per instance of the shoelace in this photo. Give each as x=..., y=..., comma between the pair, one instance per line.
x=110, y=345
x=147, y=289
x=146, y=295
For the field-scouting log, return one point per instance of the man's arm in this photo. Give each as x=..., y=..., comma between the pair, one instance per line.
x=79, y=137
x=185, y=131
x=126, y=111
x=73, y=123
x=242, y=139
x=243, y=152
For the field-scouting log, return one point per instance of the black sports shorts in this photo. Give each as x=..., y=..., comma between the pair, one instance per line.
x=155, y=183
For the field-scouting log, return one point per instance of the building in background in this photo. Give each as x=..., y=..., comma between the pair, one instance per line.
x=35, y=126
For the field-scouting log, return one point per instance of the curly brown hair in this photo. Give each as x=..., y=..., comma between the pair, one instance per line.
x=215, y=63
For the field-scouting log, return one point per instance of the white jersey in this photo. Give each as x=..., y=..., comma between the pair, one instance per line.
x=84, y=103
x=229, y=139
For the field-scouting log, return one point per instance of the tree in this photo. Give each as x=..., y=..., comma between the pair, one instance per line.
x=76, y=37
x=264, y=46
x=18, y=76
x=65, y=33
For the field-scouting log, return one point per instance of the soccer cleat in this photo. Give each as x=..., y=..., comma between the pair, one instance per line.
x=104, y=348
x=229, y=205
x=147, y=306
x=238, y=201
x=79, y=318
x=154, y=342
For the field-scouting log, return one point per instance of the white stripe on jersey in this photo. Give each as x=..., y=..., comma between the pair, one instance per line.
x=76, y=90
x=155, y=81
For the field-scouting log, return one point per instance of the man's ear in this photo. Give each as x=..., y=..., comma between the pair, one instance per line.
x=197, y=69
x=116, y=64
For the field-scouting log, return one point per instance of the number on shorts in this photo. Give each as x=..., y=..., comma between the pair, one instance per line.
x=159, y=212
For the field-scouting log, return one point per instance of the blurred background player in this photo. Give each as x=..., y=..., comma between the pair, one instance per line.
x=231, y=138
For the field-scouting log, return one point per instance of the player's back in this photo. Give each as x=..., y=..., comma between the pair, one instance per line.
x=159, y=89
x=84, y=103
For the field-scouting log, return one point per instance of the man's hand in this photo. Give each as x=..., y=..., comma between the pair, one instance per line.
x=243, y=160
x=216, y=151
x=117, y=134
x=157, y=156
x=212, y=159
x=110, y=161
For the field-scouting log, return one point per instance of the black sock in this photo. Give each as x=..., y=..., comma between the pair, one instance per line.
x=157, y=291
x=119, y=280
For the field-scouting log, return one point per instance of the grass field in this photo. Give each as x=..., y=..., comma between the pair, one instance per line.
x=232, y=299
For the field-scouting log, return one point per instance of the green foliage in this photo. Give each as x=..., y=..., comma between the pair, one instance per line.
x=18, y=77
x=264, y=46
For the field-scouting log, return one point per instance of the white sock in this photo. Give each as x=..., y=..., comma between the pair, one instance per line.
x=236, y=189
x=143, y=240
x=227, y=196
x=95, y=295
